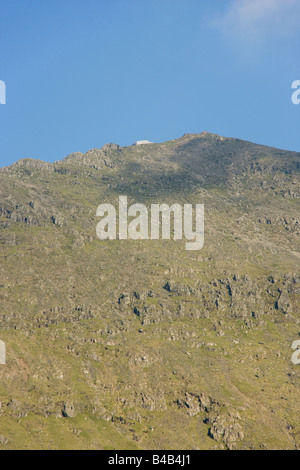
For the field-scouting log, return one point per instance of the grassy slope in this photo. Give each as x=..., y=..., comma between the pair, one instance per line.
x=133, y=373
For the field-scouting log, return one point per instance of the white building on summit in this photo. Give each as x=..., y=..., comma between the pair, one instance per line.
x=142, y=142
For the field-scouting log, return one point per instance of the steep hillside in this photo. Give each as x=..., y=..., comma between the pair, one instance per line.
x=127, y=344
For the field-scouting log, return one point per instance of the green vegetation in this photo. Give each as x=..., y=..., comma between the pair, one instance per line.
x=141, y=344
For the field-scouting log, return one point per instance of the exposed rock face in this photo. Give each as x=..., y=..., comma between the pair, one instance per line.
x=226, y=429
x=68, y=410
x=197, y=403
x=3, y=440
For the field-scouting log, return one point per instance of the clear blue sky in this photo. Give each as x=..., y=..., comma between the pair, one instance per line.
x=80, y=74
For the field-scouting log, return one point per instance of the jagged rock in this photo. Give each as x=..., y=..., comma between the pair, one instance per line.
x=3, y=440
x=226, y=429
x=68, y=410
x=283, y=303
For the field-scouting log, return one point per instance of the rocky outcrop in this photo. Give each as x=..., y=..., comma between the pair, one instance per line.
x=226, y=429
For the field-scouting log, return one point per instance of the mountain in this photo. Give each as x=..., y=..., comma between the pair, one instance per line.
x=141, y=344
